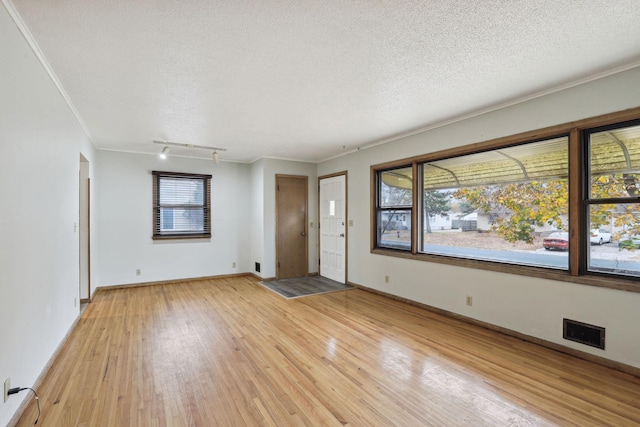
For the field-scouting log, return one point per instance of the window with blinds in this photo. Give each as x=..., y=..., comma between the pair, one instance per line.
x=181, y=205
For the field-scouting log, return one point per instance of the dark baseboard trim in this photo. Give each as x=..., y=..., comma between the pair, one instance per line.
x=170, y=282
x=602, y=361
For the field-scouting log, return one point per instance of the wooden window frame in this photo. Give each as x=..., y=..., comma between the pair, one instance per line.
x=394, y=208
x=576, y=272
x=587, y=198
x=158, y=234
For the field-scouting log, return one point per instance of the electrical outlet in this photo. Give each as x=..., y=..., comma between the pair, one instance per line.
x=75, y=302
x=469, y=300
x=386, y=279
x=233, y=265
x=137, y=271
x=350, y=223
x=7, y=386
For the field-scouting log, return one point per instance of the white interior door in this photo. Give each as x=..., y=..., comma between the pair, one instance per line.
x=332, y=227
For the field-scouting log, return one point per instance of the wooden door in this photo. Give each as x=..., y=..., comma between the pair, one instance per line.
x=291, y=226
x=333, y=202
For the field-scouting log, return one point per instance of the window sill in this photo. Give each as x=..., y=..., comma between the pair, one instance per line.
x=624, y=284
x=182, y=237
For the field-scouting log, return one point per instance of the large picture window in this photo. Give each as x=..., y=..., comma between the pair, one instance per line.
x=498, y=205
x=181, y=205
x=562, y=203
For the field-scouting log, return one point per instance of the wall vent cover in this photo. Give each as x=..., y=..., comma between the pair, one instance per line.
x=583, y=333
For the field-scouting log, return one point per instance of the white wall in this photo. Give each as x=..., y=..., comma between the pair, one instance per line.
x=243, y=220
x=124, y=214
x=41, y=143
x=531, y=306
x=257, y=216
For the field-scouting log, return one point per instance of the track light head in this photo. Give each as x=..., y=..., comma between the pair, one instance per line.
x=164, y=152
x=216, y=158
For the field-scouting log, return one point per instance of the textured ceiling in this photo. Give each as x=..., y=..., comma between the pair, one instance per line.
x=308, y=80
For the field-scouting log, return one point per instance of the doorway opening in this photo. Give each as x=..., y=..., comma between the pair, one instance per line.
x=84, y=235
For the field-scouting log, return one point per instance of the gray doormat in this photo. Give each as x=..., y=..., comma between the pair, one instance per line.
x=304, y=286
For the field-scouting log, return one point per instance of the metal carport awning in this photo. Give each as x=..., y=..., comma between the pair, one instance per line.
x=615, y=151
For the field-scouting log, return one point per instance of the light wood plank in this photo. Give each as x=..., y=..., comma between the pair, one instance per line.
x=228, y=352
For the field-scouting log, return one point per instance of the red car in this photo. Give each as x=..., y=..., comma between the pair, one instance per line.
x=557, y=240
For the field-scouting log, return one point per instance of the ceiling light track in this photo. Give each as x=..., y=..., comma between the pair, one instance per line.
x=165, y=149
x=178, y=144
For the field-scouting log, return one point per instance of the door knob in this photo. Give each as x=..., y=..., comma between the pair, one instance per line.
x=303, y=234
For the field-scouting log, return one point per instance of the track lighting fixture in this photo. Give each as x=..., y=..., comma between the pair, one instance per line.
x=215, y=156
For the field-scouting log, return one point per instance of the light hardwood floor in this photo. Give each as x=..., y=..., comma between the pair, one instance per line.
x=228, y=352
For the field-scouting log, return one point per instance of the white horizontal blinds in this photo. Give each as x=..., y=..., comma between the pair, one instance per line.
x=181, y=205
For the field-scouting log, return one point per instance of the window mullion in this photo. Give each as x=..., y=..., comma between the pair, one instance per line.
x=415, y=213
x=577, y=255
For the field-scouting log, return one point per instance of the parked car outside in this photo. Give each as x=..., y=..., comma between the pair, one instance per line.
x=558, y=240
x=600, y=236
x=629, y=242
